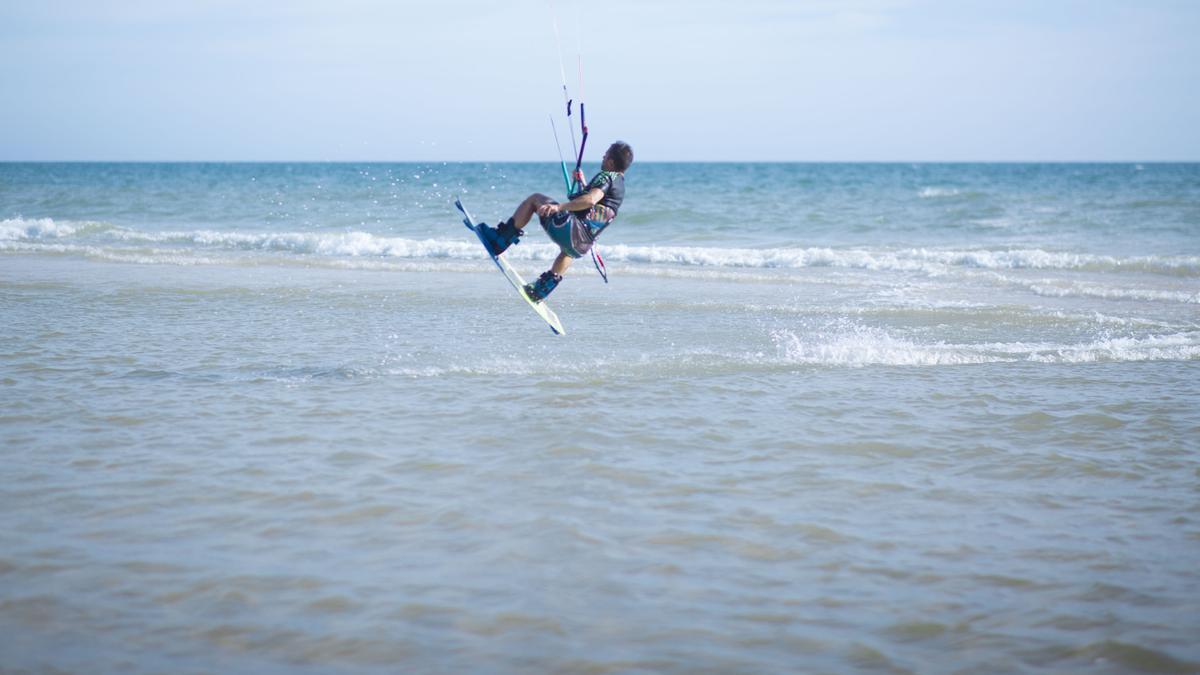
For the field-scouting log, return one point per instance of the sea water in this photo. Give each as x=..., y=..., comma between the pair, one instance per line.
x=824, y=417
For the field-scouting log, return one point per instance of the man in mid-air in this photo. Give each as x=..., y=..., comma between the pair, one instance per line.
x=574, y=225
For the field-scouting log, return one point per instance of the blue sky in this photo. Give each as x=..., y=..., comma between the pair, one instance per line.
x=817, y=80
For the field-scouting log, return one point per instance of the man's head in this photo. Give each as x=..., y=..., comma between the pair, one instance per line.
x=618, y=157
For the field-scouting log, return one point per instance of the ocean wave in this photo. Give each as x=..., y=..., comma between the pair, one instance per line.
x=933, y=192
x=856, y=346
x=132, y=256
x=1062, y=288
x=46, y=229
x=363, y=244
x=844, y=347
x=1175, y=347
x=186, y=258
x=351, y=244
x=904, y=260
x=46, y=234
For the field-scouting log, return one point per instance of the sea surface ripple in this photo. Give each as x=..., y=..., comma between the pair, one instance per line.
x=888, y=418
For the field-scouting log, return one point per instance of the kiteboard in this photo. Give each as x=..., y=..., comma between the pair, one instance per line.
x=511, y=274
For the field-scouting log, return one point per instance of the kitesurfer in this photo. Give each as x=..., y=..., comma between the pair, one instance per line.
x=573, y=225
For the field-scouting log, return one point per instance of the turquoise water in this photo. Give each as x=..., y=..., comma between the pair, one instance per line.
x=288, y=418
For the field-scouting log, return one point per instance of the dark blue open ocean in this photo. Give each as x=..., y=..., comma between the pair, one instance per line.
x=825, y=417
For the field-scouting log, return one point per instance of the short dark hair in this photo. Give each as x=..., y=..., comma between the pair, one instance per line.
x=621, y=154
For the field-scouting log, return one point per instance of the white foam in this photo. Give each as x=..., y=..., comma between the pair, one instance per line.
x=1058, y=288
x=21, y=229
x=141, y=256
x=1176, y=347
x=349, y=244
x=1099, y=318
x=904, y=260
x=362, y=244
x=185, y=257
x=933, y=192
x=859, y=346
x=846, y=344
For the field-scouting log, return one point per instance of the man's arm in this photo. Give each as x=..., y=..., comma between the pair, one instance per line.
x=583, y=202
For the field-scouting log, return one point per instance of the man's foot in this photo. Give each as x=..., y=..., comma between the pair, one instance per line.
x=498, y=239
x=546, y=283
x=491, y=238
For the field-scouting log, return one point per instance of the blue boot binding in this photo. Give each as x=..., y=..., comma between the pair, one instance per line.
x=538, y=290
x=499, y=239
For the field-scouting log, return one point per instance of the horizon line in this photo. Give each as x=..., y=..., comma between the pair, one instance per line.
x=640, y=162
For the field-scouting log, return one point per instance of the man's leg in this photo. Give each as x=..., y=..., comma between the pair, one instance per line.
x=526, y=210
x=561, y=263
x=499, y=238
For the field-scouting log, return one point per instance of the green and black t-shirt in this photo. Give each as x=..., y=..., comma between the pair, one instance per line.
x=600, y=216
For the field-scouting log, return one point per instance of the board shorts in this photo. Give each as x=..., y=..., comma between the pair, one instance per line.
x=570, y=232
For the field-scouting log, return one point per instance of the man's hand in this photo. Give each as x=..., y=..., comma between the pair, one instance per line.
x=547, y=210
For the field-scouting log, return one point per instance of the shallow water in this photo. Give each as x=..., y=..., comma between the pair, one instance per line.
x=934, y=418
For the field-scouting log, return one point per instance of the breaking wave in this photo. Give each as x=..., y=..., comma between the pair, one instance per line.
x=934, y=192
x=857, y=345
x=31, y=236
